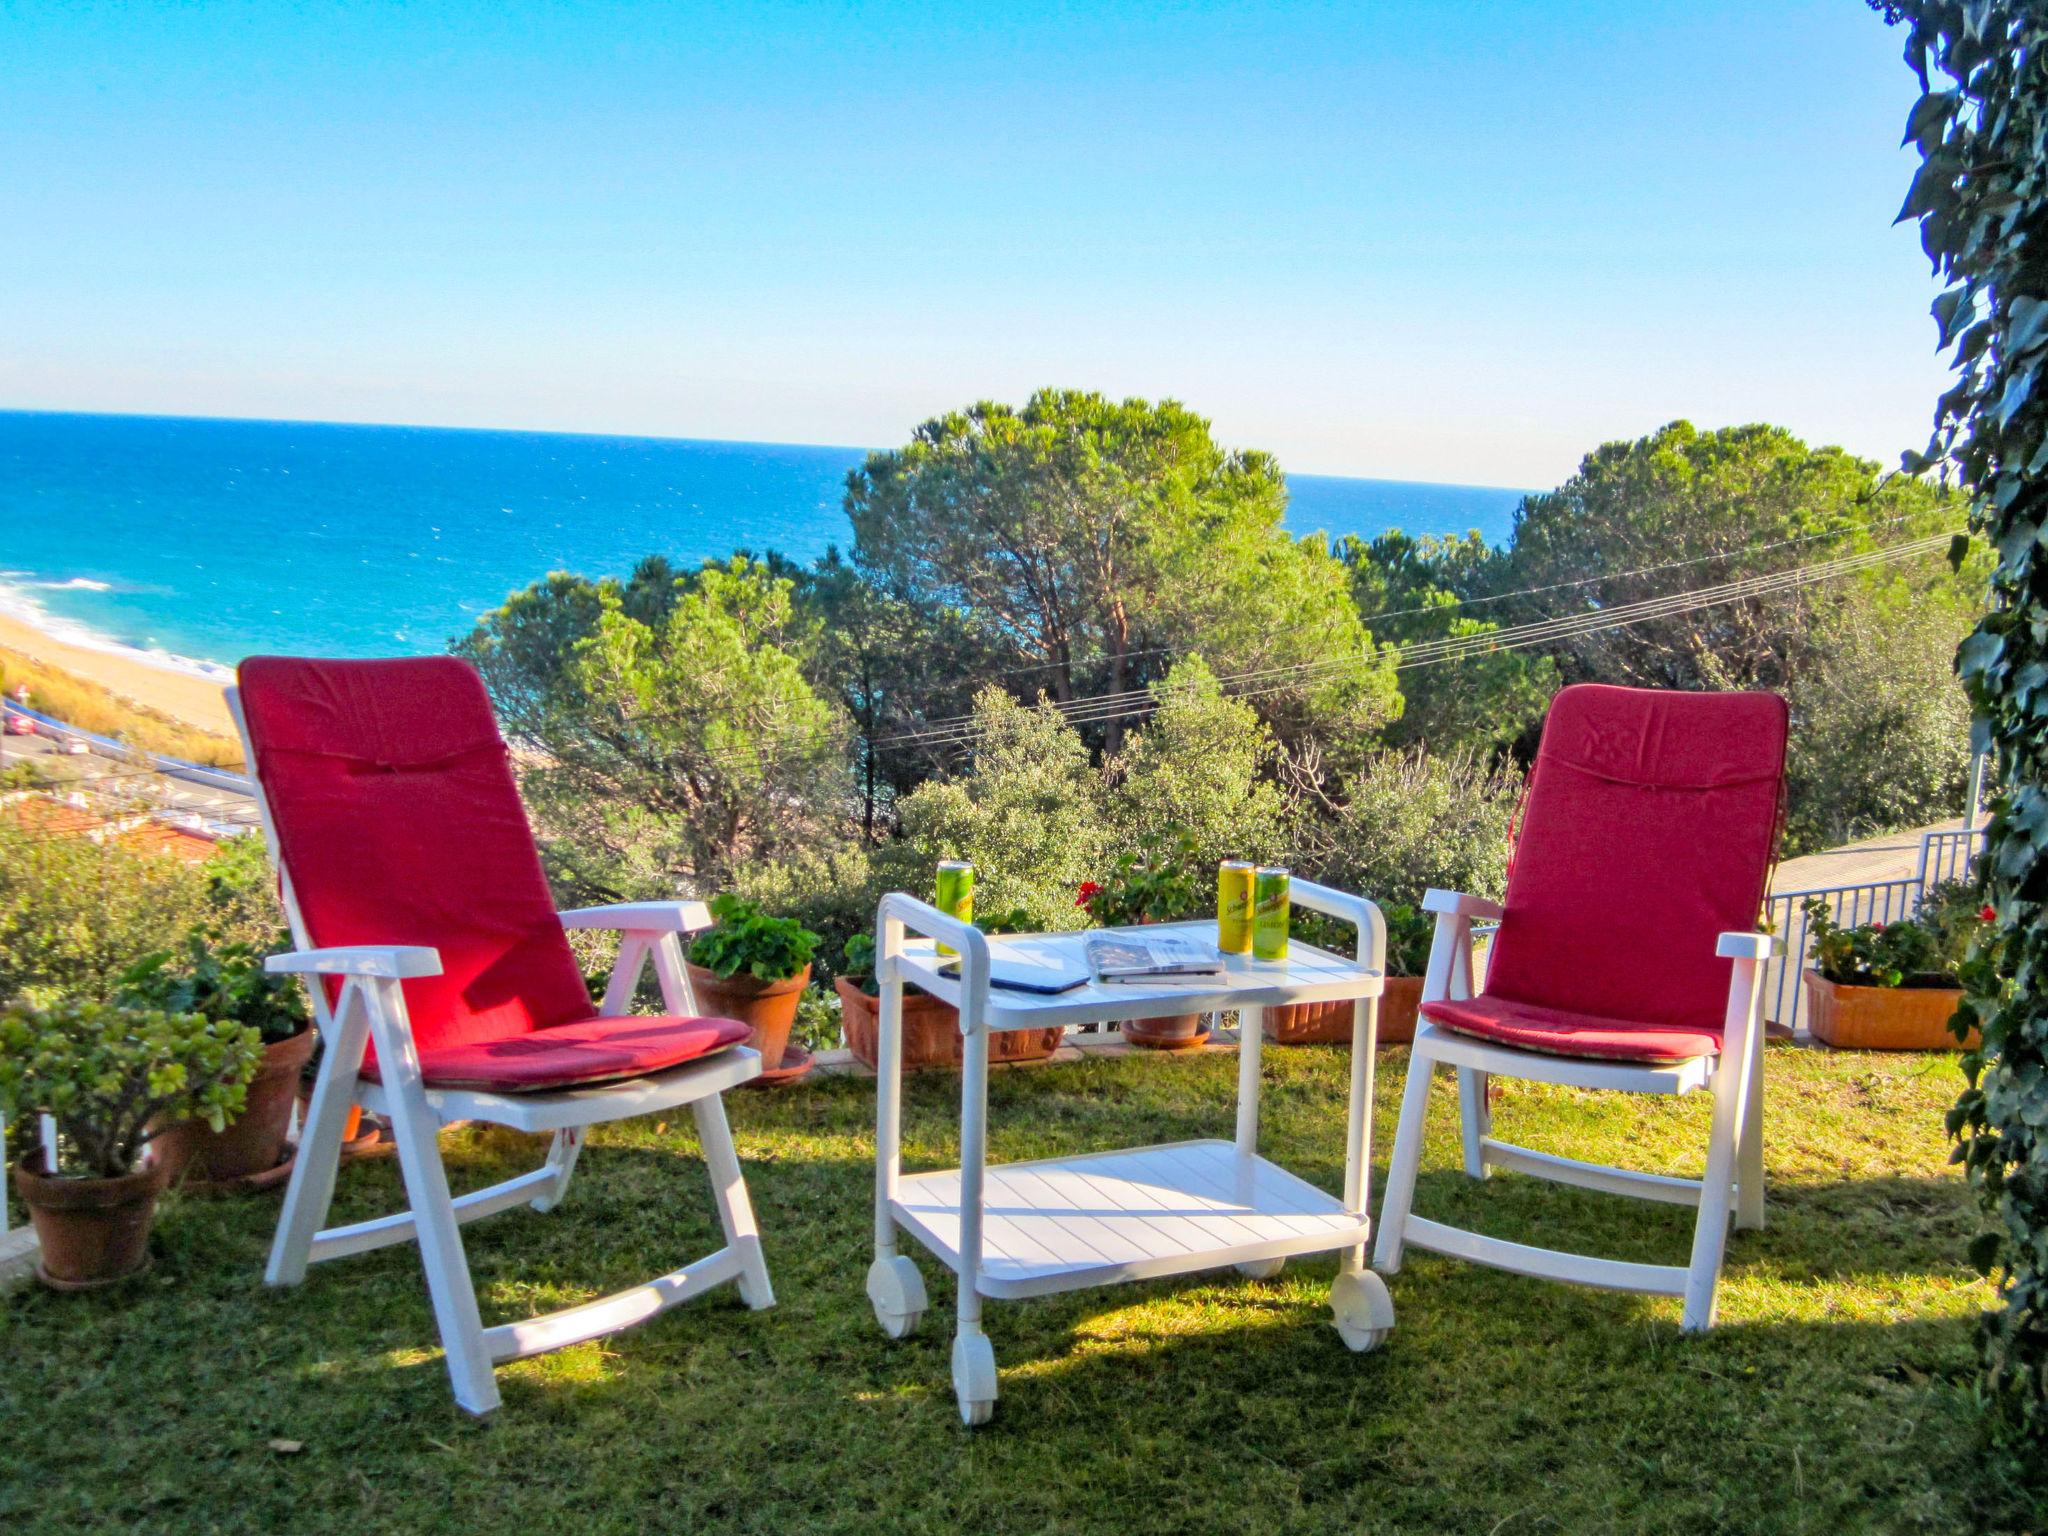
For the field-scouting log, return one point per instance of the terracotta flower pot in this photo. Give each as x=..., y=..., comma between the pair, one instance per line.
x=93, y=1232
x=1882, y=1018
x=1330, y=1023
x=1176, y=1032
x=931, y=1031
x=253, y=1143
x=767, y=1008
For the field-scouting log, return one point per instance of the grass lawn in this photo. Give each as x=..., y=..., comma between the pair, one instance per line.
x=1834, y=1395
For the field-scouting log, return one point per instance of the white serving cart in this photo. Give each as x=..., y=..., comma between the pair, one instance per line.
x=1062, y=1224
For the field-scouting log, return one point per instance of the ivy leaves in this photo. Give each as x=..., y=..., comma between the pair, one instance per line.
x=1981, y=198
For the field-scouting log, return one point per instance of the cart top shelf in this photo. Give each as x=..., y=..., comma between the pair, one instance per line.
x=1307, y=975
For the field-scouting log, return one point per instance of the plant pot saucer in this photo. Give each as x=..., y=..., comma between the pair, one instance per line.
x=796, y=1061
x=1192, y=1042
x=196, y=1182
x=44, y=1277
x=372, y=1142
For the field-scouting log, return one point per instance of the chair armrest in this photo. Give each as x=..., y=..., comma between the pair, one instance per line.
x=641, y=917
x=1745, y=946
x=392, y=962
x=1364, y=916
x=1458, y=904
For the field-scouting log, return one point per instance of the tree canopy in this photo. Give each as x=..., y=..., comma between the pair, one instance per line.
x=1088, y=541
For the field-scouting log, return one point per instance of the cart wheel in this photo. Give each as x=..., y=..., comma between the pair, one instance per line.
x=974, y=1377
x=1262, y=1269
x=897, y=1291
x=1365, y=1312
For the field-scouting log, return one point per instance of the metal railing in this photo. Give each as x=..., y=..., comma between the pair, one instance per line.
x=1944, y=856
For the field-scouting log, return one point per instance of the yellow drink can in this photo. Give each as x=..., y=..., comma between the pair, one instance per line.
x=955, y=893
x=1234, y=906
x=1271, y=907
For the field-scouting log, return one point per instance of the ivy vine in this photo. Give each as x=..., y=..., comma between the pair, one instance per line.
x=1981, y=199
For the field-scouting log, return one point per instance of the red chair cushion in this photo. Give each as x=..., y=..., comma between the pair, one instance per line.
x=1557, y=1033
x=391, y=795
x=599, y=1050
x=1649, y=830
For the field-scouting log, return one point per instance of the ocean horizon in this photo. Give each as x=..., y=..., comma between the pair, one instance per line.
x=192, y=542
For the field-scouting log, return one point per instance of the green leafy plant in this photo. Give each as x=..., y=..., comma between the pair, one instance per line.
x=224, y=981
x=103, y=1072
x=1409, y=933
x=1981, y=200
x=1159, y=885
x=748, y=939
x=1917, y=951
x=858, y=964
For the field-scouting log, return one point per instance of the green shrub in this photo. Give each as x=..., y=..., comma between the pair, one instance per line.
x=222, y=980
x=75, y=914
x=748, y=939
x=1409, y=934
x=1030, y=813
x=1196, y=775
x=1410, y=821
x=104, y=1072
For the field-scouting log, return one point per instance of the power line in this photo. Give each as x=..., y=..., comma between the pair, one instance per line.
x=1555, y=586
x=1104, y=707
x=1449, y=650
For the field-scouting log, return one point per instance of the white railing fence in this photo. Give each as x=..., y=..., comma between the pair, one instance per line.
x=1944, y=856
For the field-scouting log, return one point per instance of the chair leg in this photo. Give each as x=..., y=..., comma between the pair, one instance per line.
x=1710, y=1231
x=1399, y=1198
x=735, y=1211
x=1475, y=1118
x=310, y=1192
x=417, y=1134
x=563, y=1151
x=1749, y=1193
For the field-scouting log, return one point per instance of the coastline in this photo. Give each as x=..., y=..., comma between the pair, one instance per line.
x=185, y=694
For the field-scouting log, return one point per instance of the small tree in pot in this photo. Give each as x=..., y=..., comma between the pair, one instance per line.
x=105, y=1074
x=226, y=982
x=754, y=968
x=1409, y=933
x=1156, y=886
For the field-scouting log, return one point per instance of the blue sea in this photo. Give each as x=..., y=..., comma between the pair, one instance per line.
x=201, y=541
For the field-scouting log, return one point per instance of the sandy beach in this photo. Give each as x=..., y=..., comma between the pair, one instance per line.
x=183, y=696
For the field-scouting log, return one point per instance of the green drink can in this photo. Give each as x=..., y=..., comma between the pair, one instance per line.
x=955, y=893
x=1270, y=910
x=1234, y=906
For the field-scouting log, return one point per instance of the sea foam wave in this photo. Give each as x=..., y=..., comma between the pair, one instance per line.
x=18, y=603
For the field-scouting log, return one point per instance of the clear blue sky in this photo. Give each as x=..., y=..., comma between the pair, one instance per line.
x=1438, y=241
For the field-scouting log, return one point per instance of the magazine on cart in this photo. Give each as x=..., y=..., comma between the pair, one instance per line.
x=1127, y=958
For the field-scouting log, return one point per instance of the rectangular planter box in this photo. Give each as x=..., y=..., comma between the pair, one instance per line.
x=1330, y=1023
x=931, y=1032
x=1882, y=1018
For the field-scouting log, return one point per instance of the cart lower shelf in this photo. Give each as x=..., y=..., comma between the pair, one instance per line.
x=1068, y=1223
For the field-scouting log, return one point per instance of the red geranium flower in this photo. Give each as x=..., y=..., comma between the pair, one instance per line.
x=1877, y=927
x=1087, y=894
x=1989, y=914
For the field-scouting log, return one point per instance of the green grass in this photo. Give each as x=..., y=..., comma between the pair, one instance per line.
x=1834, y=1396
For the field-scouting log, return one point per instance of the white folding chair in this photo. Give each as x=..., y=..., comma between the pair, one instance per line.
x=445, y=990
x=1624, y=959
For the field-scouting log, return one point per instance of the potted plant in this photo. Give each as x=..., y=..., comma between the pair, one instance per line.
x=105, y=1073
x=931, y=1028
x=226, y=982
x=1892, y=986
x=1409, y=933
x=1153, y=887
x=754, y=968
